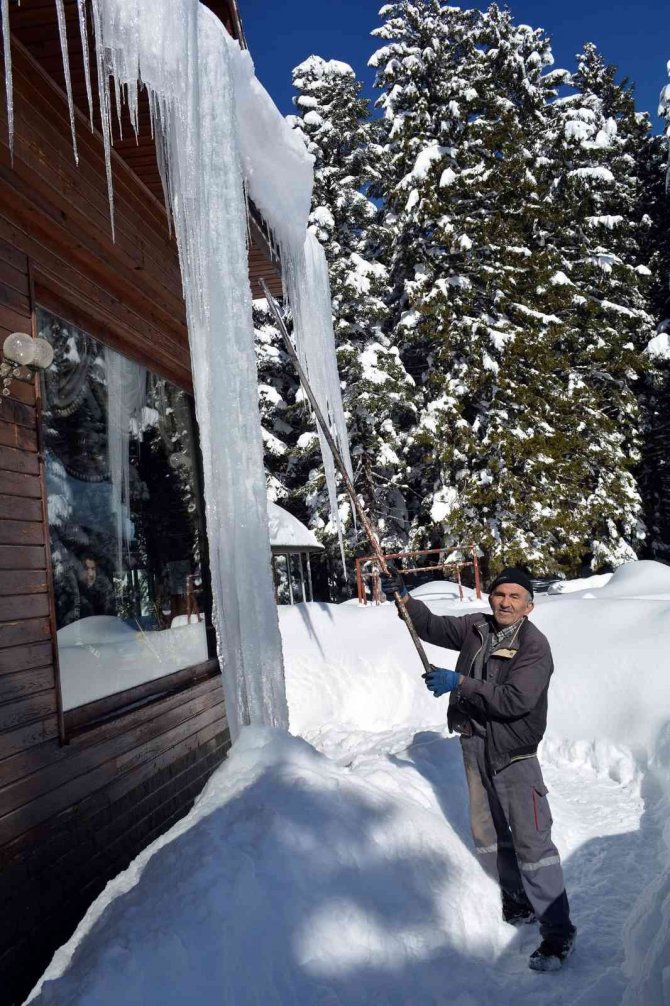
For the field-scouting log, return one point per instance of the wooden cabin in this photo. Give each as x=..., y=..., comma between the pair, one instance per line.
x=111, y=707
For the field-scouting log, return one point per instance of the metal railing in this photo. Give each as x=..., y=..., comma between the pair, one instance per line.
x=447, y=565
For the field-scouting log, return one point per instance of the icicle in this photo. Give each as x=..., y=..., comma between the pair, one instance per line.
x=83, y=31
x=103, y=99
x=62, y=31
x=117, y=103
x=9, y=86
x=126, y=395
x=308, y=293
x=182, y=54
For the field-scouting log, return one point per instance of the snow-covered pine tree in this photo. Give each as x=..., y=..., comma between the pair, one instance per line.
x=466, y=96
x=656, y=393
x=595, y=218
x=377, y=392
x=426, y=70
x=277, y=387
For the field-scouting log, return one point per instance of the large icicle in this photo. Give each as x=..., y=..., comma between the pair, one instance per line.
x=83, y=32
x=181, y=53
x=104, y=103
x=126, y=395
x=62, y=32
x=308, y=290
x=9, y=85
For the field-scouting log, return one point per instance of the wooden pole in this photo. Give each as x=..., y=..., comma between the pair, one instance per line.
x=368, y=527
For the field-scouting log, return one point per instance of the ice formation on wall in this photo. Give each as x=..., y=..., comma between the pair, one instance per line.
x=179, y=52
x=219, y=137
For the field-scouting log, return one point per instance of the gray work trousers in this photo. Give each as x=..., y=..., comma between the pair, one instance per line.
x=511, y=826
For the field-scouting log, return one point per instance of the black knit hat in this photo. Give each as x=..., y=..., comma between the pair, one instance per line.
x=513, y=575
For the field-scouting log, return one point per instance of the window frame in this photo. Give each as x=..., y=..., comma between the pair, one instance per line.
x=82, y=719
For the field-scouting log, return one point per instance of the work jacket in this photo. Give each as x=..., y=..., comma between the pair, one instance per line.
x=511, y=702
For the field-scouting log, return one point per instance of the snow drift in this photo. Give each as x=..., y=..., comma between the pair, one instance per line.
x=348, y=877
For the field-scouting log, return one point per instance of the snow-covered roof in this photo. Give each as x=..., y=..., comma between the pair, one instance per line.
x=287, y=532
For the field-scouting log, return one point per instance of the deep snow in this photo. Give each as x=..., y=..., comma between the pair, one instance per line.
x=338, y=868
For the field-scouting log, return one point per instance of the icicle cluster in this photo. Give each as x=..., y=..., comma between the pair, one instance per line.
x=218, y=137
x=180, y=53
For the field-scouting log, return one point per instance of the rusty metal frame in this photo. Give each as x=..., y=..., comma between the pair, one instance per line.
x=455, y=565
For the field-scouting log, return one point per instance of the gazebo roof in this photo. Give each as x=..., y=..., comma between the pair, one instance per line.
x=287, y=534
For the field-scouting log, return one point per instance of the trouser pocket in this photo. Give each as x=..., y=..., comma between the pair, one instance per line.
x=542, y=818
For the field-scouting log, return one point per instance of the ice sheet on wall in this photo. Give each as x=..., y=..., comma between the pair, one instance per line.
x=220, y=138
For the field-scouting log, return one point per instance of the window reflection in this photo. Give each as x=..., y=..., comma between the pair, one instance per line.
x=125, y=518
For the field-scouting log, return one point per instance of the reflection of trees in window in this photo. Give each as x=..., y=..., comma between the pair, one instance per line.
x=122, y=482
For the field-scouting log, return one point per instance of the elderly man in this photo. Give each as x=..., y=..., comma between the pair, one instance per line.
x=498, y=705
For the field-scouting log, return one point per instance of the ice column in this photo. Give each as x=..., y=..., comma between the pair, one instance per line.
x=308, y=290
x=179, y=52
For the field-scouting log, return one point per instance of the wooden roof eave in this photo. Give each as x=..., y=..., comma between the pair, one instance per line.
x=131, y=157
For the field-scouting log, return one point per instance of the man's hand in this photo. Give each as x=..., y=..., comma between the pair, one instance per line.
x=392, y=583
x=439, y=681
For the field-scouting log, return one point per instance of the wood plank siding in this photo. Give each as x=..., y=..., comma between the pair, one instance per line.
x=76, y=805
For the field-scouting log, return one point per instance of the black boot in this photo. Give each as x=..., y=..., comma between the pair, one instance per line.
x=552, y=952
x=517, y=911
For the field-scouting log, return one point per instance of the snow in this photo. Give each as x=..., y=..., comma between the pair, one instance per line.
x=423, y=163
x=659, y=347
x=604, y=174
x=287, y=530
x=101, y=655
x=444, y=501
x=335, y=868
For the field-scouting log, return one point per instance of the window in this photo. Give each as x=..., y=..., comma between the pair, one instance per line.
x=125, y=519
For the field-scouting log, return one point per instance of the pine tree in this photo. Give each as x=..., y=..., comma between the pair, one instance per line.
x=516, y=235
x=335, y=124
x=476, y=312
x=598, y=224
x=655, y=478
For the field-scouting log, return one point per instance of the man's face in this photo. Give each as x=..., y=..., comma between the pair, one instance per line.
x=89, y=572
x=510, y=602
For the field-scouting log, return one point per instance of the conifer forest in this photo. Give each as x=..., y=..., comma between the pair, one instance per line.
x=498, y=237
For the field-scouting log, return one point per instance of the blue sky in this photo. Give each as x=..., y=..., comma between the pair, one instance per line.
x=633, y=35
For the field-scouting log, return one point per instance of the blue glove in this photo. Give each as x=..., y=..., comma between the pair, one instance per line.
x=439, y=681
x=392, y=583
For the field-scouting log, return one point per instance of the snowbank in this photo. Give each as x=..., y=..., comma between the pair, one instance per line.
x=346, y=876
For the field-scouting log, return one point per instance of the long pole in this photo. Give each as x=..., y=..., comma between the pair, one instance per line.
x=368, y=527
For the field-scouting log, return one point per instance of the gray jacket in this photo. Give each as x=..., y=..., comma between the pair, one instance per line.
x=512, y=702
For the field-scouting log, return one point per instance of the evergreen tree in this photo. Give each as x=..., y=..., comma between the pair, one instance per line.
x=335, y=124
x=656, y=398
x=476, y=312
x=598, y=224
x=518, y=284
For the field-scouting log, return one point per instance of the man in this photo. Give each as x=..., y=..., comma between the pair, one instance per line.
x=498, y=705
x=96, y=594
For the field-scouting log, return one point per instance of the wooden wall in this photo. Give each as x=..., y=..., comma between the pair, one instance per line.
x=72, y=815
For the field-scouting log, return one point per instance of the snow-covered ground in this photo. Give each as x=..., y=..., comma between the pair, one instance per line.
x=335, y=867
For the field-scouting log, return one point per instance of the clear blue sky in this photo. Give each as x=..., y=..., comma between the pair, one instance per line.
x=634, y=35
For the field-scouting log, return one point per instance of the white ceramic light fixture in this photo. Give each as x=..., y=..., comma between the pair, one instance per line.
x=21, y=350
